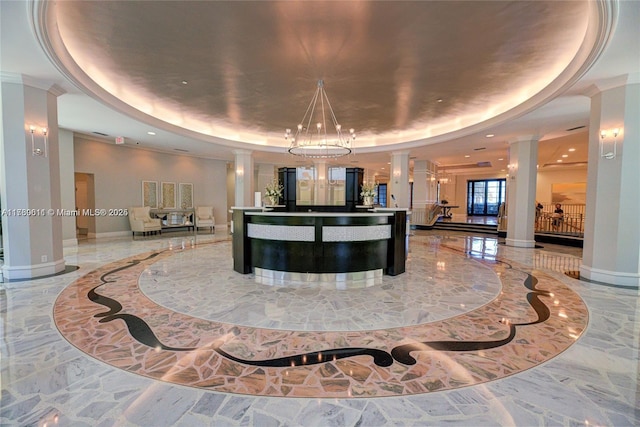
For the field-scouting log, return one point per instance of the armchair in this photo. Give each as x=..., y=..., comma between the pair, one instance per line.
x=141, y=221
x=204, y=217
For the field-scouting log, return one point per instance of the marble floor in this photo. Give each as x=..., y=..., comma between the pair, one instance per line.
x=161, y=332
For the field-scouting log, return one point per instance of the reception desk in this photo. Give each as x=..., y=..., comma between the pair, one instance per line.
x=319, y=242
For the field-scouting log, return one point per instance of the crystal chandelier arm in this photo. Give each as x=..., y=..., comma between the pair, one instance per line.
x=303, y=144
x=333, y=118
x=310, y=110
x=324, y=120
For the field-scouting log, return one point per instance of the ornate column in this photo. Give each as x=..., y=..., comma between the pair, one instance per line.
x=611, y=251
x=420, y=177
x=521, y=191
x=244, y=178
x=30, y=181
x=399, y=180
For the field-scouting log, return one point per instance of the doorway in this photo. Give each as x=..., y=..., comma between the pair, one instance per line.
x=485, y=196
x=85, y=204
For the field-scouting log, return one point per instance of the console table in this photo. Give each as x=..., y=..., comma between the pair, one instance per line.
x=175, y=218
x=446, y=210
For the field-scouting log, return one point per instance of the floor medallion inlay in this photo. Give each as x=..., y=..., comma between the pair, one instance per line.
x=533, y=318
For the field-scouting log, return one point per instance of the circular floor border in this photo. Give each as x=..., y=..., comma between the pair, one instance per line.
x=104, y=314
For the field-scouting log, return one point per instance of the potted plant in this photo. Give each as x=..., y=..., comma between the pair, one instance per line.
x=273, y=191
x=368, y=193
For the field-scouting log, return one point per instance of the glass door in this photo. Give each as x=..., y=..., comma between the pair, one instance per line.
x=485, y=196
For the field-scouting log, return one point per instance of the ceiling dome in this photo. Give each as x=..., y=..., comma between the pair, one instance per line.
x=400, y=73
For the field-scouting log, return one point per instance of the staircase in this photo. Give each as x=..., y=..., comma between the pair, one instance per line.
x=466, y=227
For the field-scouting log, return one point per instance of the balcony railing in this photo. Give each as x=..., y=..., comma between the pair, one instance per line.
x=427, y=215
x=570, y=224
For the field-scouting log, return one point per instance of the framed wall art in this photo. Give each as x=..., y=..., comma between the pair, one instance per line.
x=150, y=194
x=186, y=195
x=168, y=195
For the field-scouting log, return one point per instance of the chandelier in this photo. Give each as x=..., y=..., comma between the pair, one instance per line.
x=316, y=141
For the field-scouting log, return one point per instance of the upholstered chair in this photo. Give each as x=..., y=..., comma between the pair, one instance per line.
x=141, y=221
x=204, y=217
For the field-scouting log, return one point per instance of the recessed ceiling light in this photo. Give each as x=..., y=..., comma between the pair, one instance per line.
x=467, y=156
x=151, y=133
x=489, y=135
x=565, y=155
x=439, y=100
x=559, y=161
x=572, y=149
x=184, y=82
x=381, y=168
x=500, y=158
x=502, y=170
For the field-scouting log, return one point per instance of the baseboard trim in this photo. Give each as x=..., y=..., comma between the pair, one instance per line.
x=109, y=235
x=631, y=280
x=67, y=243
x=32, y=271
x=520, y=243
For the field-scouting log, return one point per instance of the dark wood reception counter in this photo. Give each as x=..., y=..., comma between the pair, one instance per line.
x=319, y=242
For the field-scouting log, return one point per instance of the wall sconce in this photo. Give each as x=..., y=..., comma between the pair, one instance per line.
x=396, y=175
x=609, y=154
x=37, y=151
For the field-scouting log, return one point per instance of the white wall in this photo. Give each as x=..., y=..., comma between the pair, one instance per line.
x=457, y=194
x=67, y=186
x=120, y=169
x=547, y=178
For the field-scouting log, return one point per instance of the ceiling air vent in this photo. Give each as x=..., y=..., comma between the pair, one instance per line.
x=576, y=128
x=479, y=148
x=181, y=150
x=466, y=166
x=100, y=133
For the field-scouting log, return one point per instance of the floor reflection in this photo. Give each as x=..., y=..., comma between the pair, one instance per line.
x=45, y=379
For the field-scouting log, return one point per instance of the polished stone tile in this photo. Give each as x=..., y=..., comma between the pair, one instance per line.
x=593, y=382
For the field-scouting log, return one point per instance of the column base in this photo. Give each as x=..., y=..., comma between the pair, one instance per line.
x=520, y=243
x=68, y=243
x=631, y=280
x=32, y=271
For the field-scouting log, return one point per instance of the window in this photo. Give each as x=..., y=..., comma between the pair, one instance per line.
x=485, y=196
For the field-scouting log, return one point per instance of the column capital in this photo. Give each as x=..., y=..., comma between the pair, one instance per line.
x=400, y=153
x=523, y=138
x=25, y=80
x=242, y=152
x=612, y=83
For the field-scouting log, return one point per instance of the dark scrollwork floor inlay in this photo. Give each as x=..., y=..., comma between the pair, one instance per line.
x=495, y=340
